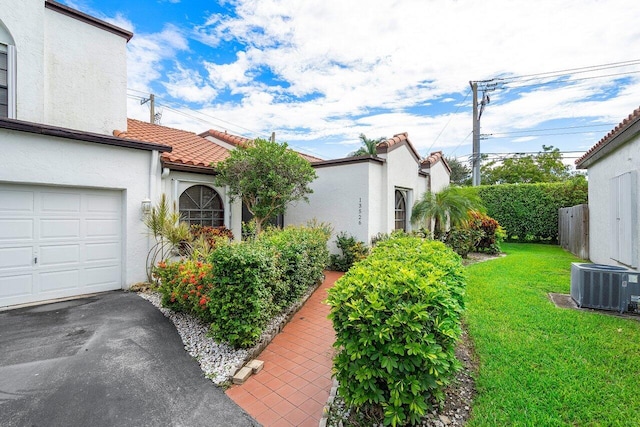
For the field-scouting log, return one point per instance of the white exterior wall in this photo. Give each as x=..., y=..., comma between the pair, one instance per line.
x=439, y=177
x=36, y=159
x=24, y=20
x=177, y=182
x=340, y=197
x=85, y=75
x=69, y=73
x=402, y=173
x=624, y=159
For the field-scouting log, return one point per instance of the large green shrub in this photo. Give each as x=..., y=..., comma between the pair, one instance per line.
x=397, y=319
x=529, y=212
x=241, y=299
x=302, y=257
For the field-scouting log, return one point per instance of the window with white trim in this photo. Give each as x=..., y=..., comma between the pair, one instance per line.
x=7, y=81
x=201, y=205
x=623, y=216
x=401, y=210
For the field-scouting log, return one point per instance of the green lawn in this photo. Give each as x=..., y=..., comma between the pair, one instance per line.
x=541, y=365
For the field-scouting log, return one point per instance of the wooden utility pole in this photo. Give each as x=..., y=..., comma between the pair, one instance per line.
x=475, y=160
x=152, y=109
x=273, y=137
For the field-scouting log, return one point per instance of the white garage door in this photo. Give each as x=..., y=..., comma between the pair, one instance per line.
x=58, y=242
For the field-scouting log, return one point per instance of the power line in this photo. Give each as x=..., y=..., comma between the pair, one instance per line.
x=578, y=70
x=450, y=118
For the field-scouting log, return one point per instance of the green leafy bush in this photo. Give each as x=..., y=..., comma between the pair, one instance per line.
x=241, y=300
x=185, y=285
x=529, y=212
x=352, y=252
x=397, y=319
x=302, y=257
x=462, y=239
x=492, y=234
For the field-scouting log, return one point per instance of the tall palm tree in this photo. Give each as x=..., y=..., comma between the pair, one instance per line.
x=368, y=146
x=450, y=204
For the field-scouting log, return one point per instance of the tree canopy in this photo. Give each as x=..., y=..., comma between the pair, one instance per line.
x=460, y=172
x=451, y=204
x=368, y=146
x=545, y=166
x=267, y=176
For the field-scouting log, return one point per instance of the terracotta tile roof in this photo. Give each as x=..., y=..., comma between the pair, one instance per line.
x=397, y=140
x=241, y=141
x=238, y=141
x=434, y=158
x=608, y=138
x=188, y=148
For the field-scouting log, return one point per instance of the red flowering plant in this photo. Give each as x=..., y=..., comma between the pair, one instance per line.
x=185, y=285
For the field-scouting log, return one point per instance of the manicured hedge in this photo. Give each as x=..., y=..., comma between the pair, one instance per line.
x=529, y=212
x=241, y=299
x=302, y=257
x=243, y=285
x=397, y=319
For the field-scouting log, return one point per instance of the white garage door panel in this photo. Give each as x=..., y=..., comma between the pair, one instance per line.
x=101, y=276
x=16, y=257
x=59, y=228
x=59, y=280
x=58, y=242
x=60, y=203
x=16, y=229
x=53, y=256
x=16, y=286
x=16, y=201
x=102, y=252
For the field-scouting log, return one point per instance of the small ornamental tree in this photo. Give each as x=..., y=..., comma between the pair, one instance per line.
x=266, y=176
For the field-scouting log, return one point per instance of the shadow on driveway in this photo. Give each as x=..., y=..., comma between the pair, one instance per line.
x=111, y=359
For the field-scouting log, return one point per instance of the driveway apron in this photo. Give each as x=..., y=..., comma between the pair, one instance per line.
x=111, y=359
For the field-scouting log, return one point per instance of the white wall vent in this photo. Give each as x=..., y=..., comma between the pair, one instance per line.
x=605, y=287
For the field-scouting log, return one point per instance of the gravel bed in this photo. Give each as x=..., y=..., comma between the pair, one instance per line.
x=220, y=361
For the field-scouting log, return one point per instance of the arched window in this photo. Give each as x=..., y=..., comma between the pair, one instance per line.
x=7, y=74
x=201, y=205
x=401, y=211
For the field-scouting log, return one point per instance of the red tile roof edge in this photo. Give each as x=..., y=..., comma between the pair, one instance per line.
x=396, y=141
x=621, y=127
x=434, y=158
x=241, y=141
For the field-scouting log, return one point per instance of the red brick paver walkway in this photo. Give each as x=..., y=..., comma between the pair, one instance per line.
x=293, y=386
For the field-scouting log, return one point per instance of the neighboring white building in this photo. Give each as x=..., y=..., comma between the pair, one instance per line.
x=70, y=192
x=613, y=166
x=367, y=195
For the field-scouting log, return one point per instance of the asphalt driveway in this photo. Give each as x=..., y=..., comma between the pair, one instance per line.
x=107, y=360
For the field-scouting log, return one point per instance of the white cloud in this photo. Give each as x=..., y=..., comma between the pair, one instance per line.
x=379, y=59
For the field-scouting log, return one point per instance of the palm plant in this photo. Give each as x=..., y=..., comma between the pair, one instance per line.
x=369, y=146
x=168, y=232
x=450, y=205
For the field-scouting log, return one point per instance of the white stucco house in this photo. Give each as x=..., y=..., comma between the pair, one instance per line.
x=613, y=166
x=367, y=195
x=70, y=192
x=76, y=180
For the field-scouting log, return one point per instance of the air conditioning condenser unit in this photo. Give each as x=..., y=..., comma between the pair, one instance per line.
x=605, y=287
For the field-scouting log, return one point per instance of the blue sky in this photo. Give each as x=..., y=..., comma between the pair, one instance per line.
x=320, y=72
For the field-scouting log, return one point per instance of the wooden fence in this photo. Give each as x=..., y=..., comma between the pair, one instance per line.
x=573, y=230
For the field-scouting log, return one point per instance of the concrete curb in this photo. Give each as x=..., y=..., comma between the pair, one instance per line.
x=325, y=411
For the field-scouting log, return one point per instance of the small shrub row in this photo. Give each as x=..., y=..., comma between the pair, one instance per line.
x=242, y=285
x=352, y=252
x=397, y=320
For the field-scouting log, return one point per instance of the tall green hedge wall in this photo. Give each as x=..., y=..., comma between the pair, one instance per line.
x=529, y=212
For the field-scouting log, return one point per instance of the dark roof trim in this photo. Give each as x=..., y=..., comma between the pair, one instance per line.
x=88, y=19
x=346, y=161
x=40, y=129
x=182, y=167
x=609, y=144
x=423, y=173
